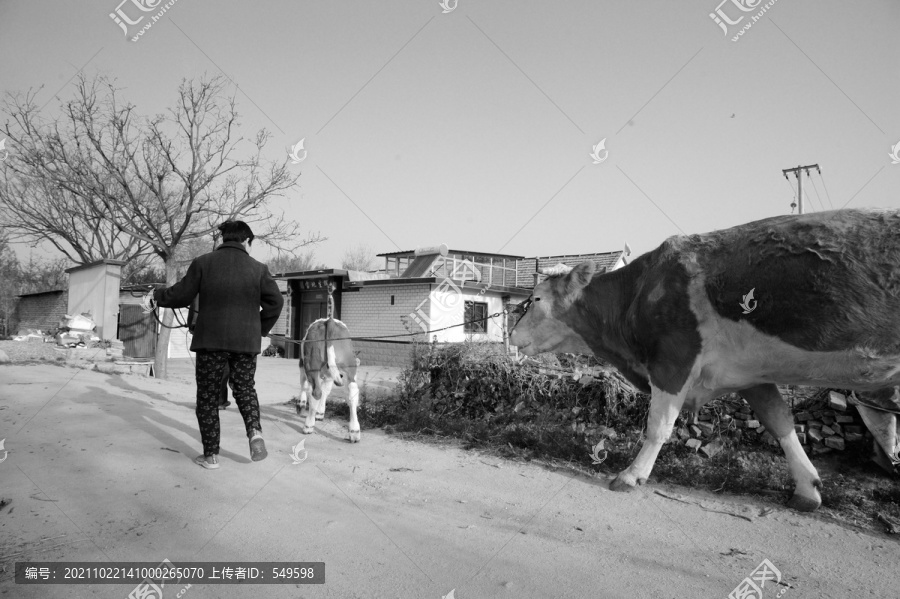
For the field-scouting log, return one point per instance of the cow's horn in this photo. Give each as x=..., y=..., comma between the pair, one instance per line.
x=552, y=271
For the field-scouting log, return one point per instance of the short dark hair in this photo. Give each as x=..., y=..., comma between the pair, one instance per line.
x=236, y=230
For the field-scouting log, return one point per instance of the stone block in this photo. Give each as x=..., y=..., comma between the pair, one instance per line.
x=802, y=438
x=814, y=424
x=844, y=419
x=853, y=428
x=693, y=444
x=695, y=430
x=837, y=401
x=800, y=428
x=706, y=428
x=815, y=435
x=827, y=431
x=835, y=442
x=853, y=437
x=802, y=416
x=712, y=448
x=752, y=423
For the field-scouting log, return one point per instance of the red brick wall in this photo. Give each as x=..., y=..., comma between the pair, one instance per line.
x=41, y=311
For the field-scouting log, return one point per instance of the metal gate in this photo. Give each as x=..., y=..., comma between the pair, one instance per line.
x=137, y=331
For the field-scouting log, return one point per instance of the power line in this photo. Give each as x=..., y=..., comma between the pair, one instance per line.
x=826, y=190
x=810, y=203
x=816, y=189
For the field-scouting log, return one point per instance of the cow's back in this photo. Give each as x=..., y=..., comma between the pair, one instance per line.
x=825, y=281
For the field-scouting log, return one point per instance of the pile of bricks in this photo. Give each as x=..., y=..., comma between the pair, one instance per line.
x=116, y=349
x=829, y=424
x=823, y=425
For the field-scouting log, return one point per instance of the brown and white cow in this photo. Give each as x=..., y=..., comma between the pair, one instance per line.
x=326, y=359
x=678, y=324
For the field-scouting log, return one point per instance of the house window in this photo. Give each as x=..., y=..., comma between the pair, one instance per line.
x=476, y=317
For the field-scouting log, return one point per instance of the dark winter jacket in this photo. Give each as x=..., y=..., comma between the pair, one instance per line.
x=232, y=287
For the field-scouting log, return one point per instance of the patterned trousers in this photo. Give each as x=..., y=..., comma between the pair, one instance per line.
x=210, y=370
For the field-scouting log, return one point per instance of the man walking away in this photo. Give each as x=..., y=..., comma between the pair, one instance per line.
x=239, y=303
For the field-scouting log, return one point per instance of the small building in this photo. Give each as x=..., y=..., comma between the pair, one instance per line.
x=94, y=290
x=40, y=311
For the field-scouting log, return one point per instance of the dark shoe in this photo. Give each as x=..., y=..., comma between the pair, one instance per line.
x=257, y=447
x=210, y=462
x=222, y=406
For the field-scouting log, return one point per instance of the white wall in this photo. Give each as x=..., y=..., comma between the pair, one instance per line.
x=369, y=313
x=95, y=289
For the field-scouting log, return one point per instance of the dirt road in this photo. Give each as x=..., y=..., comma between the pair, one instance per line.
x=100, y=469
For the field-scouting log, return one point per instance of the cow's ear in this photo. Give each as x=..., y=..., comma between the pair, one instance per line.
x=580, y=276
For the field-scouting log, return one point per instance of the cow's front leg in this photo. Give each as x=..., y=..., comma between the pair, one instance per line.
x=664, y=409
x=353, y=427
x=775, y=415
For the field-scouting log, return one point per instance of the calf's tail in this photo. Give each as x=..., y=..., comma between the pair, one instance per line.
x=330, y=355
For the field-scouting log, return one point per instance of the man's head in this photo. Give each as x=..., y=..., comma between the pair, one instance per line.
x=236, y=230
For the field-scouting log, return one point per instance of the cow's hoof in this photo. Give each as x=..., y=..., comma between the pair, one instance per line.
x=620, y=484
x=354, y=436
x=804, y=504
x=320, y=416
x=308, y=430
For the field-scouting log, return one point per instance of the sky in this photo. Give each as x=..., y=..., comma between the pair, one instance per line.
x=473, y=123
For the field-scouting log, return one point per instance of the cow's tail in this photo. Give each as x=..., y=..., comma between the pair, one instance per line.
x=330, y=354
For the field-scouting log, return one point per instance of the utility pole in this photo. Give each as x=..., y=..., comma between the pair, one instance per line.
x=796, y=172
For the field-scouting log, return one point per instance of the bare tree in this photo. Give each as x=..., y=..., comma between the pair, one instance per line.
x=358, y=257
x=294, y=263
x=34, y=208
x=160, y=181
x=9, y=289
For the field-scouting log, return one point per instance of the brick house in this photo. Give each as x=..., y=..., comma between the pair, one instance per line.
x=430, y=294
x=40, y=311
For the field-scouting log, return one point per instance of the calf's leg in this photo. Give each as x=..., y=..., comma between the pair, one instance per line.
x=776, y=416
x=313, y=391
x=353, y=401
x=664, y=408
x=327, y=384
x=303, y=399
